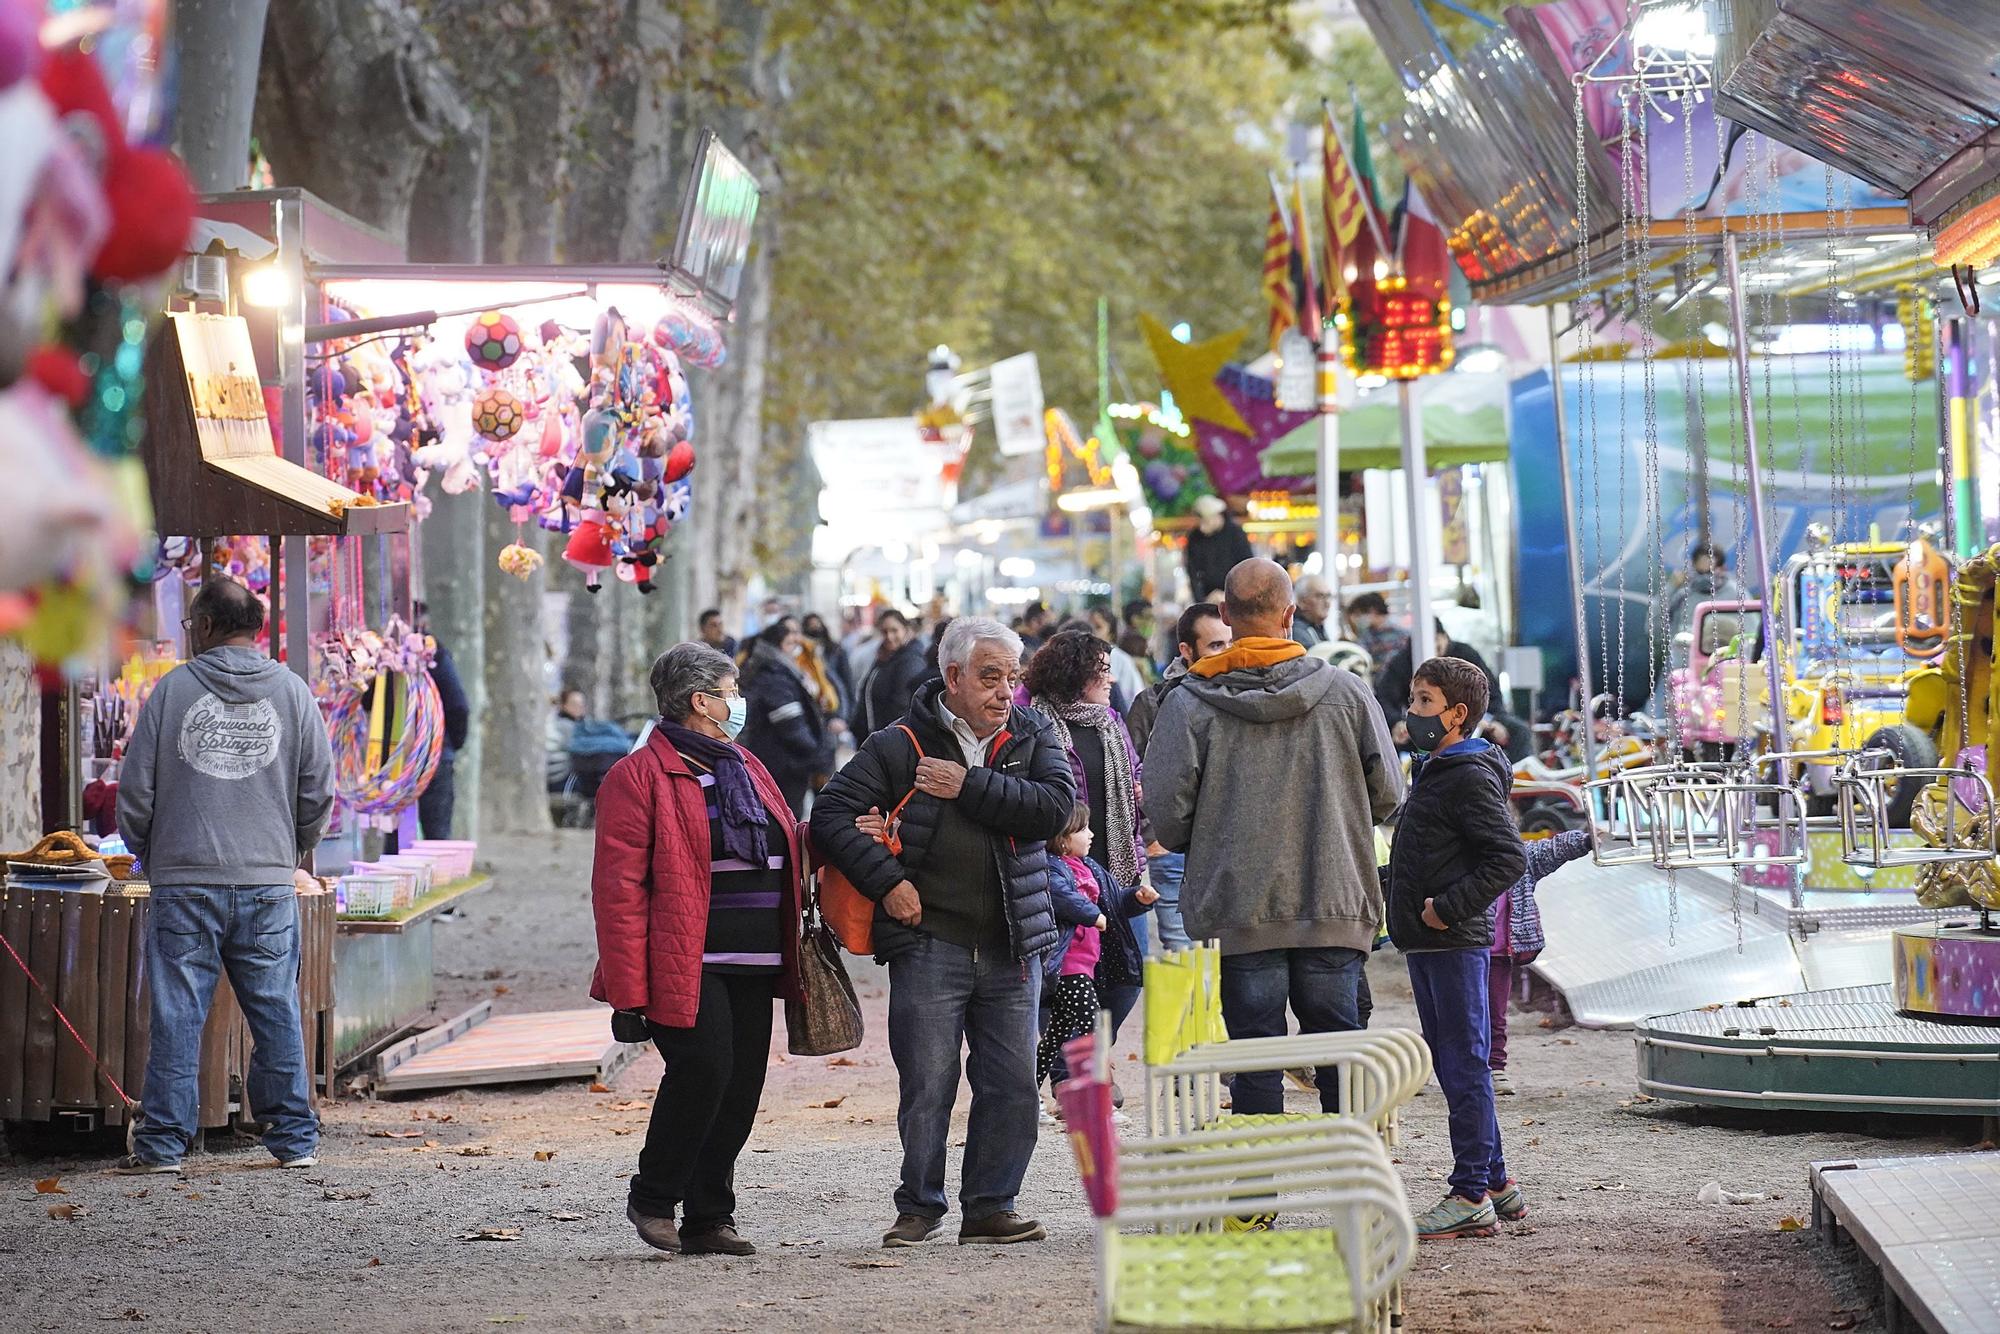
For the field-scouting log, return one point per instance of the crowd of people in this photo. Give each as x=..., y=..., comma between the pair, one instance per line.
x=1032, y=809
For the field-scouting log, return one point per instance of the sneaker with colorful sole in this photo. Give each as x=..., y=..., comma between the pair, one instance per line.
x=1456, y=1217
x=1509, y=1202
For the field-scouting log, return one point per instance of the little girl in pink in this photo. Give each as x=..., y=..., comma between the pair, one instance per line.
x=1072, y=1010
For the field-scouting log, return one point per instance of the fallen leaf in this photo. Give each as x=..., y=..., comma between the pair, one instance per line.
x=427, y=1144
x=506, y=1319
x=1782, y=1322
x=50, y=1186
x=374, y=1262
x=502, y=990
x=874, y=1264
x=544, y=1155
x=195, y=1195
x=1789, y=1223
x=1841, y=1321
x=625, y=1131
x=802, y=1241
x=491, y=1234
x=346, y=1194
x=829, y=1103
x=1527, y=1120
x=475, y=1151
x=599, y=1087
x=1546, y=1021
x=566, y=1217
x=1711, y=1009
x=763, y=1150
x=842, y=1060
x=129, y=1313
x=67, y=1211
x=630, y=1105
x=395, y=1134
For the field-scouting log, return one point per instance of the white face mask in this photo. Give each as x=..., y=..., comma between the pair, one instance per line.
x=732, y=722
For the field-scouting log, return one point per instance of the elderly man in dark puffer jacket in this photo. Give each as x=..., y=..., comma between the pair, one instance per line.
x=961, y=911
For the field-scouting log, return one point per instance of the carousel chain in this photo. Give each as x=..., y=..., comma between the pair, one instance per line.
x=1627, y=266
x=1587, y=388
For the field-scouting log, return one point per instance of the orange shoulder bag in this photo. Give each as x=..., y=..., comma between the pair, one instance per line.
x=846, y=909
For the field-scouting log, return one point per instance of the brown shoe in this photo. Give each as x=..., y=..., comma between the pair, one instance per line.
x=718, y=1240
x=1001, y=1229
x=659, y=1233
x=911, y=1230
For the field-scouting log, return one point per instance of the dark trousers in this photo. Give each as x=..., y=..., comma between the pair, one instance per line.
x=434, y=806
x=1450, y=987
x=1321, y=983
x=1070, y=1012
x=707, y=1102
x=1499, y=990
x=944, y=1000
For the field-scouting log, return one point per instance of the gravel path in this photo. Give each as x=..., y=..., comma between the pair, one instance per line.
x=374, y=1239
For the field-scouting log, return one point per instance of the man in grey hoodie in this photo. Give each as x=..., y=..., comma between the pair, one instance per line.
x=1270, y=770
x=226, y=786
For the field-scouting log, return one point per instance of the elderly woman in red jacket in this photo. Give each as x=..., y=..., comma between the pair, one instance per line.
x=697, y=890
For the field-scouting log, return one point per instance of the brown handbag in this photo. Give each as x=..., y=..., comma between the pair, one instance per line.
x=827, y=1018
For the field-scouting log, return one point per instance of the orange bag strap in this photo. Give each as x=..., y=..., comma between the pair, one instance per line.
x=919, y=747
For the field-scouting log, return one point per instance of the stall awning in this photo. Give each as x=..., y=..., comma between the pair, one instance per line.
x=1465, y=421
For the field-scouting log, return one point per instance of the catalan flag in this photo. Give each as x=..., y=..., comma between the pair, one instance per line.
x=1308, y=281
x=1277, y=285
x=1341, y=209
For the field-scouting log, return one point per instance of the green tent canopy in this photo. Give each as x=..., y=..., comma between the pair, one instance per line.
x=1464, y=417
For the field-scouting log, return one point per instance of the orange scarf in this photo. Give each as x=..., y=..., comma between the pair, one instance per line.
x=1255, y=651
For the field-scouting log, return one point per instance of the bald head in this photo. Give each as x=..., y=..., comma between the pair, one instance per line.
x=1257, y=599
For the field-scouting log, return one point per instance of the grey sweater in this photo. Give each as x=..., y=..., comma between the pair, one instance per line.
x=1272, y=779
x=228, y=778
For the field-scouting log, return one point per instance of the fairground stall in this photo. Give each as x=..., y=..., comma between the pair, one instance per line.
x=305, y=390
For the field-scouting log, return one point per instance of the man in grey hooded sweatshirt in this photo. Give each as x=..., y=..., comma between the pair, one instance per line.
x=225, y=789
x=1270, y=770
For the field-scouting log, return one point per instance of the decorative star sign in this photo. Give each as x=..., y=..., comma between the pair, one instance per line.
x=1188, y=371
x=1256, y=401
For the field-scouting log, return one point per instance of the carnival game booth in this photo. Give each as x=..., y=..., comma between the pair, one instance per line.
x=558, y=392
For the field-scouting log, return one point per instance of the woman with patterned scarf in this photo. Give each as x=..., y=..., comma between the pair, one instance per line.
x=1069, y=681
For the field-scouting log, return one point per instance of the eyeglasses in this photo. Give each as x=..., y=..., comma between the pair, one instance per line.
x=994, y=679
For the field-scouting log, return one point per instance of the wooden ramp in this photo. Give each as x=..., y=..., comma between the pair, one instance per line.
x=479, y=1047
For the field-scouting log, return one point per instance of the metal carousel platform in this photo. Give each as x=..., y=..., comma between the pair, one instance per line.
x=1846, y=1049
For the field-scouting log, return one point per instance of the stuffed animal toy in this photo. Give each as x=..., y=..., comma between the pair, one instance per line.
x=589, y=547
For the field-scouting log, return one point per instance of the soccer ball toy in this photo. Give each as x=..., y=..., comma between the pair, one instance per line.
x=493, y=341
x=496, y=414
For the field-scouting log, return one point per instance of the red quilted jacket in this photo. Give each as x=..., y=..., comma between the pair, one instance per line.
x=649, y=883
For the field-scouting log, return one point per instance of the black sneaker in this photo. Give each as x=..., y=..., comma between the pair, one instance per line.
x=132, y=1165
x=719, y=1240
x=911, y=1230
x=1001, y=1229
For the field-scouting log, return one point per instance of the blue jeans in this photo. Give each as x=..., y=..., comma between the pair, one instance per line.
x=1166, y=871
x=1321, y=985
x=1450, y=987
x=941, y=998
x=196, y=933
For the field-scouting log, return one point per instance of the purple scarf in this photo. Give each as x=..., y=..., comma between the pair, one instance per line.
x=744, y=818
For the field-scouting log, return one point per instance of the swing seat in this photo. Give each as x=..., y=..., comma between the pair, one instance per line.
x=1957, y=820
x=1709, y=819
x=1620, y=812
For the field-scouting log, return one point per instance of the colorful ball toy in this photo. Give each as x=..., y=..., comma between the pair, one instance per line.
x=493, y=341
x=497, y=414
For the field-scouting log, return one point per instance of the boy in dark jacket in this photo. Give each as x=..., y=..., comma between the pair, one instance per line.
x=1457, y=849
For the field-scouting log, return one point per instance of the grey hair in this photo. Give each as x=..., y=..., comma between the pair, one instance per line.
x=967, y=633
x=684, y=671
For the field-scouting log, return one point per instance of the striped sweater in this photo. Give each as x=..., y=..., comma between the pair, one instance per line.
x=745, y=923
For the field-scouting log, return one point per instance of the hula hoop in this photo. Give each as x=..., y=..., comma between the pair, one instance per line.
x=409, y=758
